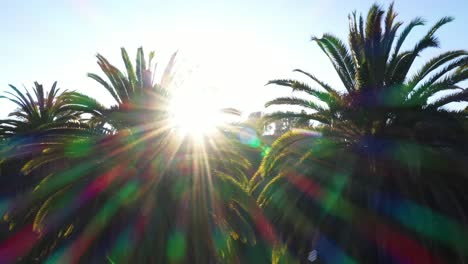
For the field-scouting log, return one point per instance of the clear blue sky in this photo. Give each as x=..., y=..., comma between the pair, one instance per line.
x=228, y=49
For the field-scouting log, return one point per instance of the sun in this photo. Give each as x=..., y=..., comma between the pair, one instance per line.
x=195, y=115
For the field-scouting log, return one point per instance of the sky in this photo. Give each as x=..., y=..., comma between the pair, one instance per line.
x=227, y=50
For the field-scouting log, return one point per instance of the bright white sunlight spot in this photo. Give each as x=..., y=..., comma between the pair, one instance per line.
x=195, y=115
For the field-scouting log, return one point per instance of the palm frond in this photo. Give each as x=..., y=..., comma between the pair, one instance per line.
x=436, y=62
x=119, y=83
x=140, y=67
x=461, y=96
x=325, y=86
x=296, y=102
x=340, y=57
x=404, y=34
x=130, y=70
x=325, y=97
x=106, y=85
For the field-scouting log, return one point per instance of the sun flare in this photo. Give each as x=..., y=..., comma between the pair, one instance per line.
x=195, y=115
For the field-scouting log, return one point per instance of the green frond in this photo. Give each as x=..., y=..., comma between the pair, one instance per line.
x=140, y=67
x=130, y=70
x=461, y=96
x=404, y=34
x=390, y=18
x=295, y=101
x=340, y=57
x=38, y=114
x=39, y=92
x=106, y=85
x=32, y=102
x=118, y=80
x=325, y=86
x=427, y=42
x=286, y=151
x=416, y=92
x=82, y=103
x=403, y=66
x=52, y=94
x=21, y=101
x=439, y=24
x=343, y=53
x=391, y=29
x=262, y=197
x=234, y=188
x=373, y=23
x=328, y=98
x=436, y=62
x=447, y=83
x=399, y=68
x=375, y=62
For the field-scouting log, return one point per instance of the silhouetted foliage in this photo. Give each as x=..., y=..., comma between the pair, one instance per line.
x=374, y=174
x=378, y=147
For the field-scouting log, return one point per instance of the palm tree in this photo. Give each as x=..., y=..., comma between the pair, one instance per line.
x=381, y=97
x=138, y=99
x=381, y=135
x=36, y=114
x=40, y=122
x=37, y=121
x=164, y=198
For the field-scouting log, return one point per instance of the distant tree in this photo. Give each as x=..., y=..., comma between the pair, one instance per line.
x=286, y=124
x=255, y=120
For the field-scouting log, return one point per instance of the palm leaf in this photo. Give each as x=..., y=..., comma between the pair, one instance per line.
x=130, y=71
x=340, y=58
x=140, y=67
x=106, y=85
x=296, y=102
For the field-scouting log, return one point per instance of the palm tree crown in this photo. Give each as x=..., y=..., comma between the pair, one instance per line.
x=138, y=98
x=47, y=110
x=380, y=92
